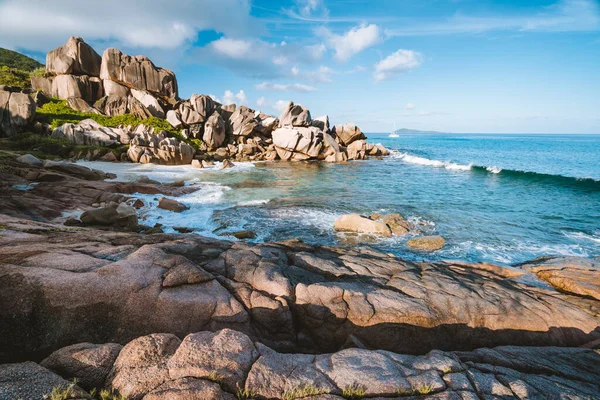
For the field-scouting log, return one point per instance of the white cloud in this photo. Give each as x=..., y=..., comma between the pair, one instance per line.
x=298, y=87
x=400, y=61
x=238, y=98
x=280, y=105
x=562, y=16
x=261, y=102
x=320, y=75
x=409, y=106
x=41, y=25
x=353, y=41
x=308, y=7
x=258, y=58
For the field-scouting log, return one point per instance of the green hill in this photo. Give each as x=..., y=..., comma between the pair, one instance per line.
x=16, y=69
x=19, y=61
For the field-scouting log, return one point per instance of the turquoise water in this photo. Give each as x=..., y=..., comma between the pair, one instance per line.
x=498, y=198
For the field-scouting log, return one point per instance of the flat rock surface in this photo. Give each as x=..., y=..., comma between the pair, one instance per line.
x=114, y=286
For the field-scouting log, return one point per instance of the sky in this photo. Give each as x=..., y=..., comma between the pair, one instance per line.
x=478, y=66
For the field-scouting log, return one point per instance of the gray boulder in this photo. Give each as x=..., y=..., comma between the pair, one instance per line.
x=138, y=72
x=294, y=115
x=214, y=131
x=73, y=58
x=242, y=122
x=88, y=363
x=348, y=133
x=297, y=143
x=148, y=147
x=17, y=111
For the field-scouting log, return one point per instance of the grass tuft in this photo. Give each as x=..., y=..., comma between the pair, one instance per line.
x=63, y=392
x=303, y=391
x=354, y=392
x=245, y=394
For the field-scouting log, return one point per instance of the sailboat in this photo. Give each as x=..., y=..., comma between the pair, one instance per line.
x=394, y=134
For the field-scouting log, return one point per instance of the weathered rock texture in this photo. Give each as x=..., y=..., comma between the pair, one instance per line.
x=227, y=363
x=17, y=111
x=291, y=296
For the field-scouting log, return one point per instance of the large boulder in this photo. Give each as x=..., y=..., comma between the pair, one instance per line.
x=348, y=133
x=88, y=363
x=214, y=131
x=17, y=111
x=294, y=115
x=73, y=58
x=298, y=143
x=112, y=215
x=138, y=72
x=149, y=102
x=90, y=133
x=147, y=147
x=28, y=380
x=242, y=122
x=359, y=224
x=203, y=105
x=82, y=86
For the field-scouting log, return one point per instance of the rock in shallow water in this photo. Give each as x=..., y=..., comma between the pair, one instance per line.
x=360, y=224
x=427, y=243
x=171, y=205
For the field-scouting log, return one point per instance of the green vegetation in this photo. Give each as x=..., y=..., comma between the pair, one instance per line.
x=105, y=394
x=423, y=389
x=57, y=112
x=244, y=394
x=44, y=146
x=16, y=69
x=14, y=77
x=64, y=392
x=354, y=392
x=303, y=391
x=15, y=60
x=71, y=392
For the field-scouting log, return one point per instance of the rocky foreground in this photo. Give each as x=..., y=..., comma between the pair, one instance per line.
x=367, y=324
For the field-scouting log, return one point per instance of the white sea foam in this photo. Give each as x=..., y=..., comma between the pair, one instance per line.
x=161, y=173
x=583, y=236
x=412, y=159
x=320, y=219
x=253, y=202
x=494, y=170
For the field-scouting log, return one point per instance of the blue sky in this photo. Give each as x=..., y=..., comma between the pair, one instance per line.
x=450, y=65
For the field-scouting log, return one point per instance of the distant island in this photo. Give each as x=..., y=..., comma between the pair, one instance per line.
x=414, y=131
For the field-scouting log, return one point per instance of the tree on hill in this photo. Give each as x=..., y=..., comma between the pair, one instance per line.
x=19, y=61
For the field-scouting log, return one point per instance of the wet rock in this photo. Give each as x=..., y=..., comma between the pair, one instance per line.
x=427, y=243
x=171, y=205
x=244, y=234
x=197, y=164
x=227, y=164
x=359, y=224
x=397, y=224
x=113, y=214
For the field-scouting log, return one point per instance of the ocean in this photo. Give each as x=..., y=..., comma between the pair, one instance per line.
x=498, y=198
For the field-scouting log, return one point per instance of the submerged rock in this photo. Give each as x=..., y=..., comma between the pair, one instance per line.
x=427, y=243
x=359, y=224
x=171, y=205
